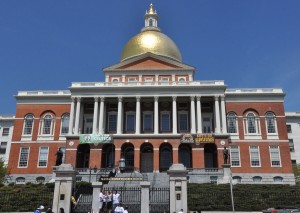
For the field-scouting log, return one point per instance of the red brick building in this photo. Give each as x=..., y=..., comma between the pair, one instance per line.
x=151, y=112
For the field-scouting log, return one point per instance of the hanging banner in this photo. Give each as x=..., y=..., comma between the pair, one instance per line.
x=197, y=138
x=95, y=139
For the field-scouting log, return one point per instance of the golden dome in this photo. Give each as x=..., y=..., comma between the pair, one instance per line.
x=151, y=41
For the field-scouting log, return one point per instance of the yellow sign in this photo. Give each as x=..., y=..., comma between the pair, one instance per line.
x=198, y=138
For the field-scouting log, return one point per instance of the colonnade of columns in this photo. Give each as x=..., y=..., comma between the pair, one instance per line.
x=195, y=115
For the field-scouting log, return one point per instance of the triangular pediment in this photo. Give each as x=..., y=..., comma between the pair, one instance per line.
x=149, y=61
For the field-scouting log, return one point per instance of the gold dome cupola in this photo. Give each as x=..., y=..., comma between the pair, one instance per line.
x=150, y=39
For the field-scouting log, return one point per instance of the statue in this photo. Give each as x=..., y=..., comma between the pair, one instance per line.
x=226, y=155
x=59, y=155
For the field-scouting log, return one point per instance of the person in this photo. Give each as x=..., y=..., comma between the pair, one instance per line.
x=119, y=209
x=181, y=211
x=101, y=201
x=59, y=155
x=109, y=201
x=49, y=210
x=39, y=209
x=116, y=199
x=61, y=210
x=225, y=155
x=125, y=209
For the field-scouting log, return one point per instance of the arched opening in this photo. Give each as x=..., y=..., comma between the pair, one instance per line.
x=108, y=156
x=128, y=154
x=83, y=156
x=165, y=157
x=185, y=155
x=210, y=156
x=146, y=158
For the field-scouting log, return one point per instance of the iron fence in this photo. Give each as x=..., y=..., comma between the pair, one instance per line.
x=159, y=200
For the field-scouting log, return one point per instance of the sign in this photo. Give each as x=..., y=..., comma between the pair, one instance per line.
x=197, y=138
x=121, y=179
x=95, y=139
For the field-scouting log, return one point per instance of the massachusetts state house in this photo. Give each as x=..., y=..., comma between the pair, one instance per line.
x=151, y=112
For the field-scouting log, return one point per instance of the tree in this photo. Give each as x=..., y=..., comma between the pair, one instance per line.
x=296, y=169
x=3, y=170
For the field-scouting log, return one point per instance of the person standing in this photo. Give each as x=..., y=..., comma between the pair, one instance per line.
x=39, y=209
x=109, y=201
x=101, y=201
x=119, y=209
x=125, y=209
x=116, y=200
x=181, y=211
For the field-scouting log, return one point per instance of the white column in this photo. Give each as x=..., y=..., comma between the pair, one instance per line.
x=120, y=112
x=156, y=118
x=77, y=116
x=193, y=115
x=217, y=114
x=101, y=116
x=71, y=122
x=138, y=115
x=174, y=115
x=199, y=115
x=223, y=114
x=95, y=117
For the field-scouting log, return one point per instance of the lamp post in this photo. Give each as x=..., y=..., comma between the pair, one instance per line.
x=122, y=164
x=231, y=193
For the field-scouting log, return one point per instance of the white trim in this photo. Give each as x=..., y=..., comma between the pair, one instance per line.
x=239, y=156
x=38, y=166
x=250, y=155
x=278, y=152
x=29, y=136
x=275, y=134
x=20, y=157
x=61, y=124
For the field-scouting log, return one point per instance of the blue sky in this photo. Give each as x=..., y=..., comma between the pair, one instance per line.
x=46, y=45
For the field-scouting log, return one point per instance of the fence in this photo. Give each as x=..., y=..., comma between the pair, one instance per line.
x=159, y=200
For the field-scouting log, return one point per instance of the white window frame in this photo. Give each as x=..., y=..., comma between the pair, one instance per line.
x=252, y=151
x=61, y=124
x=161, y=121
x=181, y=80
x=235, y=156
x=126, y=123
x=149, y=80
x=278, y=179
x=24, y=126
x=144, y=114
x=237, y=179
x=257, y=133
x=275, y=155
x=273, y=135
x=234, y=116
x=257, y=179
x=7, y=130
x=289, y=128
x=27, y=157
x=164, y=80
x=132, y=80
x=108, y=116
x=183, y=112
x=40, y=160
x=20, y=180
x=291, y=145
x=2, y=147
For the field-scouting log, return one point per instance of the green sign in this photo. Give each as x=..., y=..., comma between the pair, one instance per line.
x=95, y=139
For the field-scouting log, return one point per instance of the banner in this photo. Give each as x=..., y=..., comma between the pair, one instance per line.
x=197, y=138
x=95, y=139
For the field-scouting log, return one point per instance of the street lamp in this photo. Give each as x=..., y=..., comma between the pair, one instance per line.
x=231, y=193
x=122, y=164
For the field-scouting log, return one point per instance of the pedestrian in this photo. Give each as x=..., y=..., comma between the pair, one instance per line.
x=181, y=211
x=119, y=209
x=101, y=201
x=49, y=210
x=39, y=209
x=116, y=199
x=61, y=210
x=109, y=201
x=125, y=209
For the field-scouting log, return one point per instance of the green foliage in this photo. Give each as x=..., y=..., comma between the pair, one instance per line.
x=3, y=170
x=296, y=169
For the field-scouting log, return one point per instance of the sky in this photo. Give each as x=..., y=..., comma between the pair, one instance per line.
x=46, y=45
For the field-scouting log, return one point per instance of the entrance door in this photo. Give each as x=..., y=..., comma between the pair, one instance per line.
x=210, y=156
x=146, y=158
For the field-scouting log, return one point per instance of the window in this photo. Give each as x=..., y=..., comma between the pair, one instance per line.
x=183, y=121
x=213, y=179
x=3, y=146
x=132, y=80
x=235, y=155
x=23, y=158
x=164, y=80
x=148, y=121
x=275, y=156
x=112, y=121
x=115, y=80
x=257, y=179
x=130, y=121
x=165, y=121
x=28, y=125
x=254, y=156
x=20, y=180
x=43, y=157
x=251, y=124
x=150, y=22
x=277, y=179
x=271, y=122
x=181, y=79
x=65, y=124
x=232, y=122
x=289, y=128
x=40, y=179
x=291, y=144
x=47, y=125
x=5, y=132
x=237, y=179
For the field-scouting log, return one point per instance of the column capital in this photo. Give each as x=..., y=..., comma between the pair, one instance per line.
x=216, y=97
x=174, y=98
x=78, y=99
x=102, y=99
x=222, y=97
x=138, y=98
x=73, y=99
x=96, y=99
x=156, y=98
x=120, y=98
x=192, y=98
x=198, y=98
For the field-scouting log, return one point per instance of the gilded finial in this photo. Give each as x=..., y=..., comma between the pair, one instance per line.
x=151, y=11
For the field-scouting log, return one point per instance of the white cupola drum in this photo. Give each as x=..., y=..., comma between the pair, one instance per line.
x=151, y=17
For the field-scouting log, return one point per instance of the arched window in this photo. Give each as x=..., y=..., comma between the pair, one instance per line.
x=277, y=179
x=20, y=180
x=251, y=123
x=28, y=124
x=237, y=179
x=47, y=123
x=271, y=122
x=65, y=119
x=257, y=179
x=40, y=179
x=232, y=122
